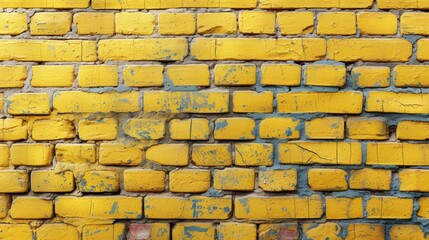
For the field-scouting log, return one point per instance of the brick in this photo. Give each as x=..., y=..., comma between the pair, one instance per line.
x=325, y=75
x=87, y=102
x=231, y=230
x=193, y=230
x=377, y=23
x=252, y=102
x=155, y=4
x=391, y=102
x=278, y=180
x=119, y=155
x=415, y=23
x=296, y=49
x=75, y=153
x=295, y=23
x=31, y=154
x=325, y=128
x=257, y=22
x=422, y=49
x=134, y=23
x=105, y=231
x=52, y=130
x=327, y=230
x=169, y=154
x=235, y=74
x=156, y=49
x=281, y=74
x=52, y=76
x=344, y=208
x=365, y=231
x=380, y=207
x=412, y=130
x=234, y=179
x=12, y=76
x=406, y=231
x=48, y=50
x=274, y=231
x=188, y=75
x=145, y=128
x=294, y=4
x=413, y=180
x=112, y=4
x=290, y=207
x=102, y=129
x=31, y=208
x=411, y=76
x=198, y=207
x=253, y=154
x=143, y=76
x=408, y=4
x=144, y=180
x=16, y=231
x=403, y=154
x=28, y=104
x=370, y=50
x=368, y=76
x=189, y=180
x=310, y=102
x=4, y=205
x=362, y=128
x=186, y=102
x=189, y=129
x=63, y=4
x=156, y=231
x=322, y=179
x=279, y=128
x=176, y=23
x=91, y=23
x=14, y=181
x=99, y=182
x=98, y=76
x=208, y=23
x=342, y=153
x=211, y=155
x=13, y=23
x=234, y=129
x=370, y=179
x=336, y=23
x=12, y=129
x=50, y=23
x=104, y=207
x=57, y=230
x=51, y=181
x=424, y=207
x=4, y=155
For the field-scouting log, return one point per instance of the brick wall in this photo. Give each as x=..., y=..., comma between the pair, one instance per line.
x=204, y=119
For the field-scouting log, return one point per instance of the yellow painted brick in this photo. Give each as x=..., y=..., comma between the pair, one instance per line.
x=99, y=181
x=91, y=23
x=293, y=23
x=311, y=102
x=325, y=128
x=412, y=130
x=278, y=180
x=16, y=231
x=296, y=49
x=190, y=129
x=2, y=102
x=186, y=102
x=362, y=128
x=52, y=76
x=279, y=128
x=31, y=154
x=123, y=4
x=44, y=4
x=211, y=155
x=188, y=75
x=12, y=129
x=47, y=50
x=234, y=129
x=102, y=129
x=4, y=155
x=377, y=23
x=342, y=153
x=391, y=102
x=28, y=104
x=98, y=76
x=105, y=207
x=281, y=74
x=208, y=23
x=411, y=76
x=156, y=231
x=145, y=128
x=380, y=207
x=12, y=76
x=407, y=4
x=370, y=179
x=156, y=4
x=75, y=153
x=290, y=207
x=87, y=102
x=274, y=231
x=232, y=230
x=397, y=154
x=368, y=76
x=105, y=231
x=156, y=49
x=252, y=102
x=31, y=208
x=323, y=179
x=370, y=50
x=176, y=23
x=50, y=23
x=57, y=231
x=143, y=76
x=257, y=22
x=193, y=230
x=234, y=179
x=407, y=231
x=325, y=75
x=344, y=208
x=12, y=181
x=415, y=23
x=51, y=181
x=329, y=230
x=134, y=23
x=294, y=4
x=424, y=207
x=52, y=130
x=253, y=154
x=365, y=231
x=235, y=74
x=198, y=207
x=144, y=180
x=118, y=154
x=422, y=49
x=189, y=180
x=169, y=154
x=413, y=180
x=4, y=205
x=336, y=23
x=13, y=23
